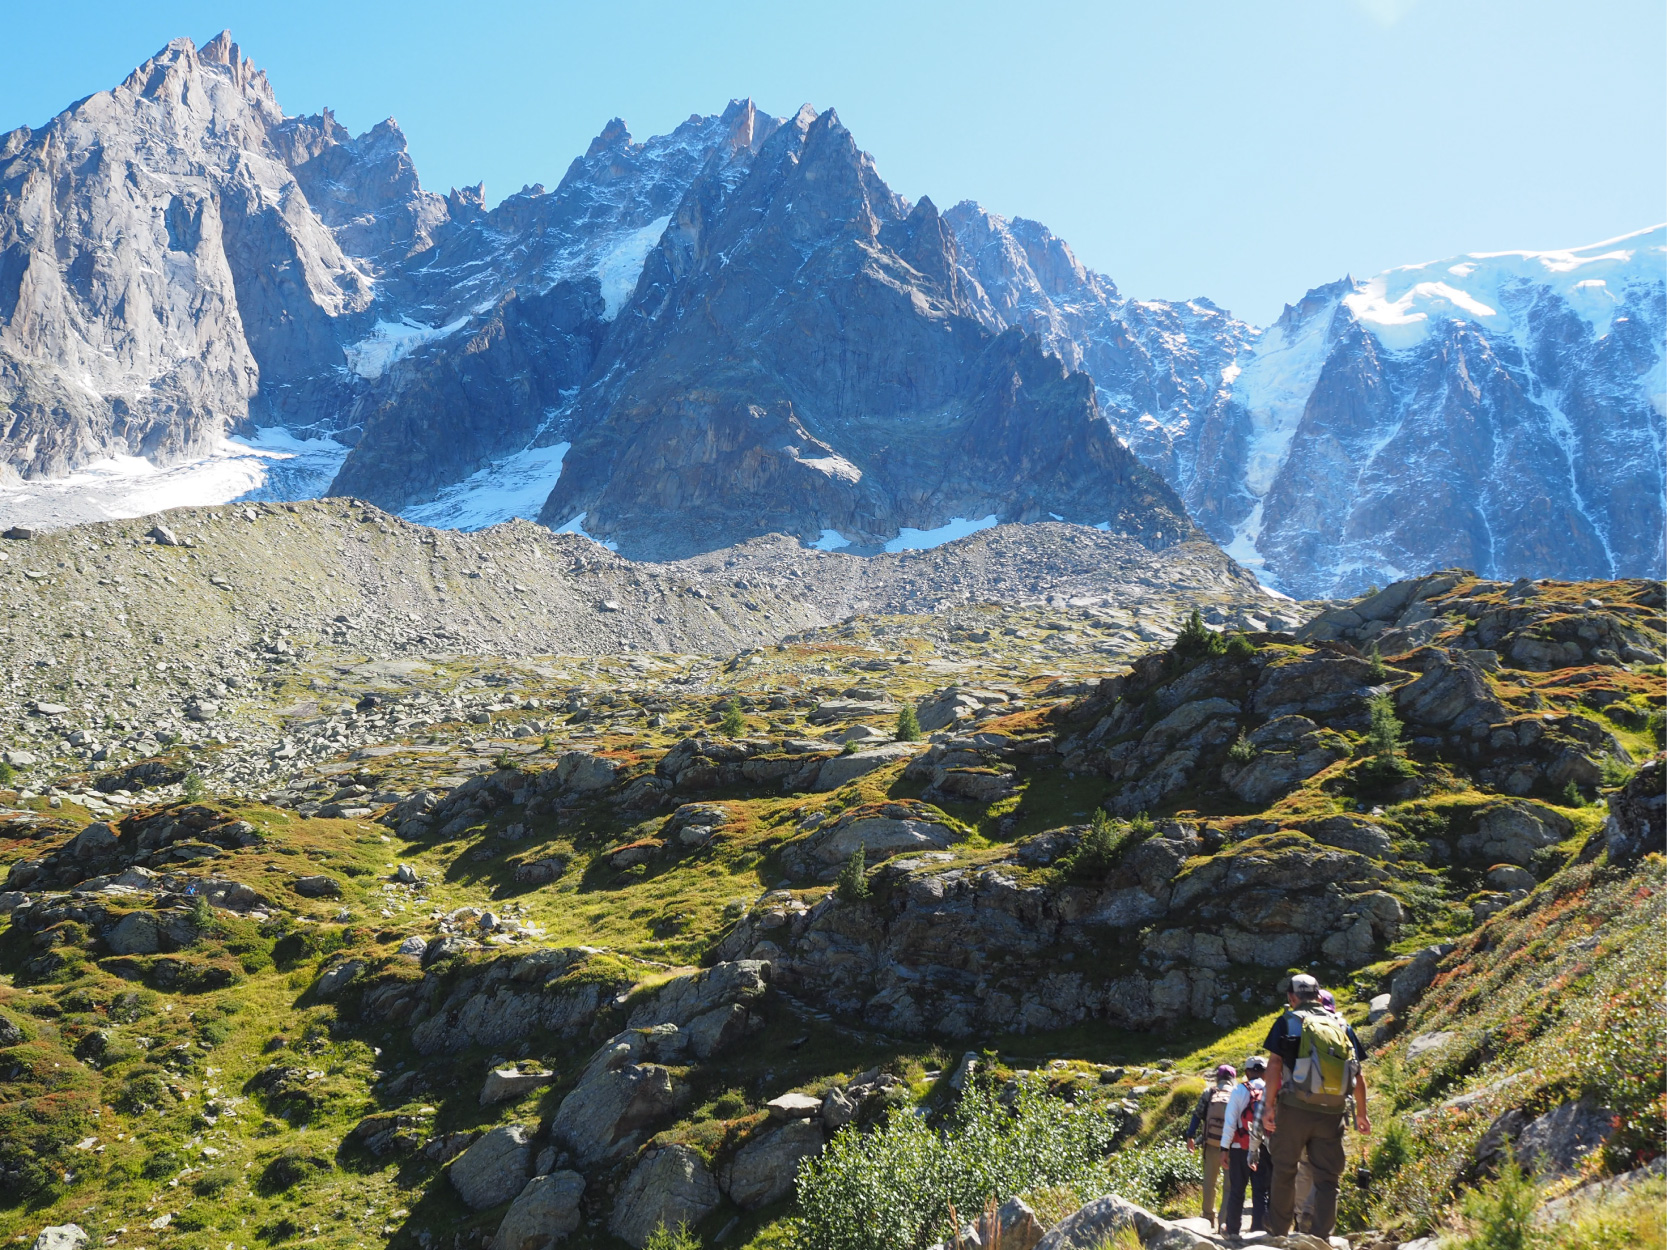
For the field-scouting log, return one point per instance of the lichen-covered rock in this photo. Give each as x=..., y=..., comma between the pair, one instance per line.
x=1554, y=1144
x=762, y=1171
x=894, y=830
x=61, y=1237
x=494, y=1167
x=669, y=1187
x=543, y=1214
x=1637, y=821
x=1512, y=832
x=607, y=1117
x=583, y=773
x=681, y=999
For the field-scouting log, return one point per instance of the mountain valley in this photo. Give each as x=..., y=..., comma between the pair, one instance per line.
x=716, y=705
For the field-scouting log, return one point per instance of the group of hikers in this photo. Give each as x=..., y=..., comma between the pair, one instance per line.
x=1287, y=1147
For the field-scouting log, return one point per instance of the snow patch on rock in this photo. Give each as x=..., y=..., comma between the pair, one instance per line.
x=621, y=266
x=392, y=341
x=515, y=486
x=956, y=527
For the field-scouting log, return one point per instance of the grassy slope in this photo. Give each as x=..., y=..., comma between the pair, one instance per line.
x=174, y=1075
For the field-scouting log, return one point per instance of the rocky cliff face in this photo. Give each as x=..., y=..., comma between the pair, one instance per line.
x=161, y=270
x=804, y=353
x=1501, y=413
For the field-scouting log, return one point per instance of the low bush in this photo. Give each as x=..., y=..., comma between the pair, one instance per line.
x=1501, y=1216
x=893, y=1187
x=1151, y=1175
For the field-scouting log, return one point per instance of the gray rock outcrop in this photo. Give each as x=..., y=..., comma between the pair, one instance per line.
x=494, y=1168
x=762, y=1171
x=544, y=1213
x=669, y=1188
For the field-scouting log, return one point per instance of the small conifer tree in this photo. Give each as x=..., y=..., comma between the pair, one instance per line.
x=1374, y=657
x=195, y=790
x=1198, y=639
x=852, y=885
x=733, y=724
x=908, y=724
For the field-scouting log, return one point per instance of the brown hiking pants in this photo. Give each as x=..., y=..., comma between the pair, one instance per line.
x=1215, y=1164
x=1320, y=1133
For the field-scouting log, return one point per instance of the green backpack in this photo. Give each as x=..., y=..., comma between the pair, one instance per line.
x=1324, y=1073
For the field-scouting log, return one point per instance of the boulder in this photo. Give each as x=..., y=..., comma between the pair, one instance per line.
x=1452, y=692
x=1426, y=1043
x=1014, y=1226
x=683, y=998
x=147, y=932
x=762, y=1171
x=540, y=871
x=1271, y=772
x=97, y=841
x=835, y=710
x=1101, y=1221
x=494, y=1168
x=670, y=1187
x=794, y=1107
x=318, y=886
x=940, y=710
x=606, y=1118
x=1510, y=877
x=1316, y=684
x=506, y=1084
x=1512, y=832
x=1637, y=816
x=337, y=977
x=824, y=852
x=1351, y=833
x=61, y=1237
x=715, y=1031
x=1408, y=984
x=969, y=785
x=1377, y=1009
x=544, y=1213
x=838, y=1109
x=1187, y=718
x=843, y=768
x=1554, y=1144
x=583, y=773
x=414, y=947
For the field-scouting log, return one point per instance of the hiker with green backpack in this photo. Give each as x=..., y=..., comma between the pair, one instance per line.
x=1314, y=1063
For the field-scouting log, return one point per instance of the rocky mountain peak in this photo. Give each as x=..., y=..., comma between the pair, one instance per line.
x=614, y=135
x=167, y=76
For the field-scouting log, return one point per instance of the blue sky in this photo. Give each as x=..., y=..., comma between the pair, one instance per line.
x=1241, y=151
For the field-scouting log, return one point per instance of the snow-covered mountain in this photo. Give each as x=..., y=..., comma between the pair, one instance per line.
x=1496, y=411
x=737, y=327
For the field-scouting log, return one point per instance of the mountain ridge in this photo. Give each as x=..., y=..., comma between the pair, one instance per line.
x=457, y=356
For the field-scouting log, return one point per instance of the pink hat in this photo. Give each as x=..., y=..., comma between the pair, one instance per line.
x=1225, y=1072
